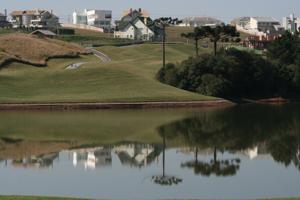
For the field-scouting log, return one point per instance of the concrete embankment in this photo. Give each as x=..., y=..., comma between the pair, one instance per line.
x=95, y=106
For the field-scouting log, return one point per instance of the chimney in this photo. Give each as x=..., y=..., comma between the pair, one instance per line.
x=51, y=11
x=5, y=12
x=140, y=10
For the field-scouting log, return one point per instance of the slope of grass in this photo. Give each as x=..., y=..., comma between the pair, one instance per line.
x=174, y=33
x=130, y=77
x=33, y=50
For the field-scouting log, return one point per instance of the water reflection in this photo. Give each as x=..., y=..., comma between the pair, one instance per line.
x=254, y=147
x=275, y=131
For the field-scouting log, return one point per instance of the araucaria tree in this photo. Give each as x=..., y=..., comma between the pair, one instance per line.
x=198, y=34
x=221, y=33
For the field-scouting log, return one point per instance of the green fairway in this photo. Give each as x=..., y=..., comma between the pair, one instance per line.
x=130, y=77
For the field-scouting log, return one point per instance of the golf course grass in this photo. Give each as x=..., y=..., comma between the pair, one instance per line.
x=129, y=77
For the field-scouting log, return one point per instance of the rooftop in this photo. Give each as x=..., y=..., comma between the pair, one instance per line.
x=44, y=32
x=28, y=12
x=265, y=19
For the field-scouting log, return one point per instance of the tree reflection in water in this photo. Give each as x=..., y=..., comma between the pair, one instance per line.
x=227, y=167
x=238, y=129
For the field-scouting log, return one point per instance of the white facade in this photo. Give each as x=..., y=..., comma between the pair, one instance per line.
x=264, y=24
x=291, y=23
x=79, y=17
x=98, y=18
x=137, y=30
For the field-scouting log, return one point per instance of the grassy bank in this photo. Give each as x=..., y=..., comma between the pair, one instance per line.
x=130, y=77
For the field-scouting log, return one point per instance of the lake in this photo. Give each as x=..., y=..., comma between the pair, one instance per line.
x=241, y=152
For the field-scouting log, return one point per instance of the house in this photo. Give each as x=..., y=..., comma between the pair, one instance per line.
x=291, y=23
x=265, y=25
x=34, y=19
x=258, y=25
x=43, y=33
x=97, y=18
x=3, y=20
x=136, y=25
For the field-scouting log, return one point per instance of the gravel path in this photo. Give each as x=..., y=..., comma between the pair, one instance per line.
x=104, y=58
x=75, y=65
x=100, y=55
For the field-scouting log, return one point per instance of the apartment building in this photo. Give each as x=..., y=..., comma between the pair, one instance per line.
x=97, y=18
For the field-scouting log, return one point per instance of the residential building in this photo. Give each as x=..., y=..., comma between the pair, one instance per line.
x=291, y=23
x=97, y=18
x=199, y=21
x=136, y=25
x=265, y=25
x=34, y=19
x=80, y=17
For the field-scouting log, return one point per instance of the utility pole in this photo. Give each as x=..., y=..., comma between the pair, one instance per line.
x=164, y=44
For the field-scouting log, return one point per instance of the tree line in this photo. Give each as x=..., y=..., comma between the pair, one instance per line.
x=232, y=73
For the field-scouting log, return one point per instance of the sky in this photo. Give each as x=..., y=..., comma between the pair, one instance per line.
x=225, y=10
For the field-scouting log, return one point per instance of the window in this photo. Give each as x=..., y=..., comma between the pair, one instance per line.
x=108, y=16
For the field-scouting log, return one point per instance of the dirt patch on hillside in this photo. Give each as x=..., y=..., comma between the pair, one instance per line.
x=34, y=50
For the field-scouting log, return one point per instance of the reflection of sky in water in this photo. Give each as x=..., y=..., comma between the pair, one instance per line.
x=258, y=176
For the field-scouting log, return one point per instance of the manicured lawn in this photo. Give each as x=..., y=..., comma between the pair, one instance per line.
x=130, y=77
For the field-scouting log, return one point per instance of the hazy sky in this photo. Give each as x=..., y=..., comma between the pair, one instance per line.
x=222, y=9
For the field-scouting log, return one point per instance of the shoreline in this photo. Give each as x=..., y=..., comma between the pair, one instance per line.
x=102, y=106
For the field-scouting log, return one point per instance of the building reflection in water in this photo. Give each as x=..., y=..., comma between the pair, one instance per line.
x=41, y=161
x=137, y=155
x=92, y=158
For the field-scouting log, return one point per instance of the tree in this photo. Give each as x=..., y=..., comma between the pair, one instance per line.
x=197, y=35
x=220, y=32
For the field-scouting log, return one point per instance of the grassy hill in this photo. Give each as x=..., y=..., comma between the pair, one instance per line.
x=173, y=33
x=33, y=50
x=130, y=77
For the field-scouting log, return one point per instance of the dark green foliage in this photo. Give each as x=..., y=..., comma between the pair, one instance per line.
x=285, y=54
x=231, y=73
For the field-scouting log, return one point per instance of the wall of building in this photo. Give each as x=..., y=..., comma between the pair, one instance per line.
x=128, y=33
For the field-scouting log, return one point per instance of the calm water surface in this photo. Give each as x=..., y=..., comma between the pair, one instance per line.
x=243, y=152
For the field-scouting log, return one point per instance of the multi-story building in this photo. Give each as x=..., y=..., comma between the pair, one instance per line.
x=34, y=19
x=291, y=23
x=265, y=24
x=98, y=18
x=80, y=17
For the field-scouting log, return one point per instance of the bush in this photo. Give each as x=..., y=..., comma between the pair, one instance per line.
x=212, y=85
x=232, y=73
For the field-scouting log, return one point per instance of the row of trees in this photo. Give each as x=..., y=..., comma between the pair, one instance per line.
x=232, y=73
x=223, y=33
